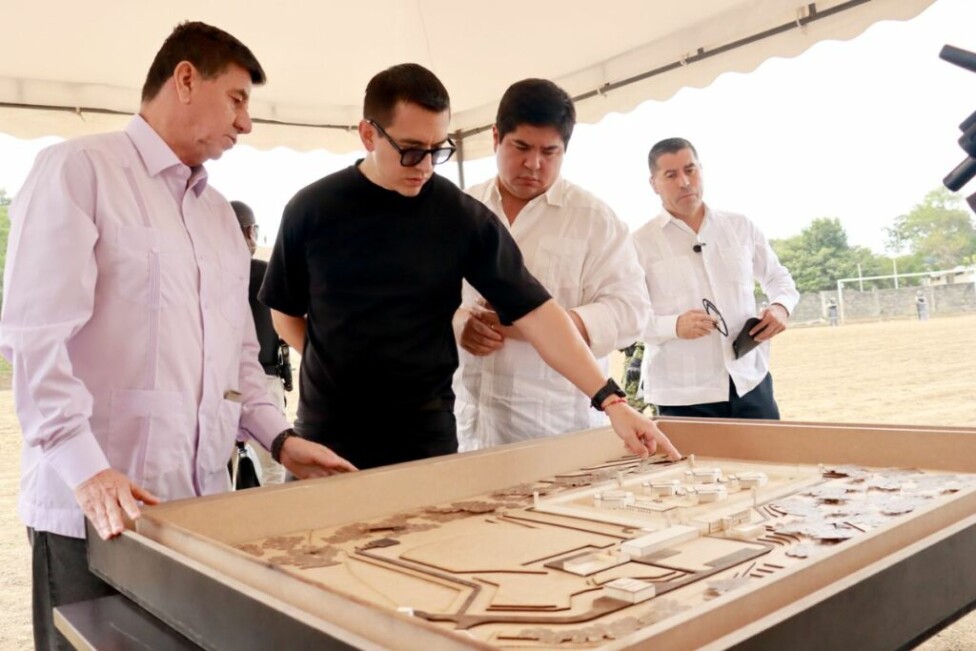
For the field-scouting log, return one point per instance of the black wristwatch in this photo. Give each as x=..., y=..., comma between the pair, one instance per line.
x=279, y=443
x=609, y=389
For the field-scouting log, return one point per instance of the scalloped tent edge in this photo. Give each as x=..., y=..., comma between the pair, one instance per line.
x=66, y=78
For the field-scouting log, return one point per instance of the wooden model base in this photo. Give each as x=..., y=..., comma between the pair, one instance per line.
x=565, y=544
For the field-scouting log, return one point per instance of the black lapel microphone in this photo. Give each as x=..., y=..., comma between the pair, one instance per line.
x=698, y=247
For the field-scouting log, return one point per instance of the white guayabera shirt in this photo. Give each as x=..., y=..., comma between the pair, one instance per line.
x=734, y=255
x=584, y=256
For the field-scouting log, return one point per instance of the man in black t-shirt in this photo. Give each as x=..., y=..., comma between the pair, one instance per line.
x=366, y=275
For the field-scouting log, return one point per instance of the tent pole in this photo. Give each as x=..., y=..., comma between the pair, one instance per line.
x=459, y=141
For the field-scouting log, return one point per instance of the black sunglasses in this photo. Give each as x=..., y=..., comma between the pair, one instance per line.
x=412, y=156
x=711, y=310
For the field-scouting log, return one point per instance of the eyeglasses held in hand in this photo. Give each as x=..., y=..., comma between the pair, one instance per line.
x=412, y=156
x=712, y=311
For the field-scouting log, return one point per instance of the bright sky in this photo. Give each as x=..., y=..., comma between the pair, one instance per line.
x=859, y=130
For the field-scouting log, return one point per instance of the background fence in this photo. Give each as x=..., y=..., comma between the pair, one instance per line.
x=886, y=303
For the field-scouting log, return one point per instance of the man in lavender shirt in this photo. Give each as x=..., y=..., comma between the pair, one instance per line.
x=126, y=319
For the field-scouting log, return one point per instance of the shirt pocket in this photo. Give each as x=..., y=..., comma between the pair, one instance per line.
x=149, y=267
x=735, y=264
x=150, y=436
x=559, y=262
x=673, y=285
x=218, y=443
x=545, y=407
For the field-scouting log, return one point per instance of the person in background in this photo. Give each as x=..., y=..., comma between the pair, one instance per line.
x=921, y=307
x=125, y=320
x=701, y=268
x=832, y=312
x=270, y=353
x=581, y=253
x=633, y=363
x=366, y=276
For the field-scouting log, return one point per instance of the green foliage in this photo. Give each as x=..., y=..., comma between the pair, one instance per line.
x=821, y=254
x=939, y=232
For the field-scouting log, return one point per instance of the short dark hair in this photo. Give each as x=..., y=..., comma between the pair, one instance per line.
x=406, y=82
x=208, y=48
x=537, y=102
x=245, y=216
x=668, y=146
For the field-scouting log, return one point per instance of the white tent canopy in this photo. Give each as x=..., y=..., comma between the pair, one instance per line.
x=69, y=68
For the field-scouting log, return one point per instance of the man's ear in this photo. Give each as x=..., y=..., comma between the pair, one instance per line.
x=367, y=134
x=185, y=78
x=495, y=140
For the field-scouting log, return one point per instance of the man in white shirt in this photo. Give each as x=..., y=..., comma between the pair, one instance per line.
x=701, y=267
x=577, y=248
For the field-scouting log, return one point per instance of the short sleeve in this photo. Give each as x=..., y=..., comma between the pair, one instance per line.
x=285, y=286
x=494, y=266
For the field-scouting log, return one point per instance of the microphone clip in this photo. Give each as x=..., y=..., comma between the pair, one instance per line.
x=697, y=248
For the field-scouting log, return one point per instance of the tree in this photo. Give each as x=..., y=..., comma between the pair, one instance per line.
x=939, y=232
x=821, y=254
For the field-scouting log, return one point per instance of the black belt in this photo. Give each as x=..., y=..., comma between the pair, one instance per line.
x=270, y=369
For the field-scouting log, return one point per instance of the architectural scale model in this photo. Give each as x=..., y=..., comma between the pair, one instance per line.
x=582, y=558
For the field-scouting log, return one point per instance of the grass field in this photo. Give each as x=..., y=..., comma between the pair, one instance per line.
x=888, y=372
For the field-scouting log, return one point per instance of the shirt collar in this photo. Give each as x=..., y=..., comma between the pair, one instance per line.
x=158, y=157
x=664, y=218
x=554, y=196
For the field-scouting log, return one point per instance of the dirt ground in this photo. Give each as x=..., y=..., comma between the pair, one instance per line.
x=888, y=372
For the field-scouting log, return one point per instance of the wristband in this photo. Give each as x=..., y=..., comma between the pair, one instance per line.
x=616, y=401
x=609, y=389
x=279, y=443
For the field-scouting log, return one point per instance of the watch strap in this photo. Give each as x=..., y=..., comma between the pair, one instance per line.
x=611, y=388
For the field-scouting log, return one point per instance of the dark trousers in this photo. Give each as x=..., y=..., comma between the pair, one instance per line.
x=758, y=403
x=60, y=576
x=407, y=436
